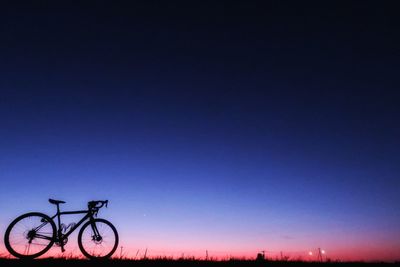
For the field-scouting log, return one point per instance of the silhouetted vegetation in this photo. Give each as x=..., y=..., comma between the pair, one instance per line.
x=168, y=262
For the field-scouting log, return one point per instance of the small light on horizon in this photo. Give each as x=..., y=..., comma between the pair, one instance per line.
x=310, y=253
x=323, y=251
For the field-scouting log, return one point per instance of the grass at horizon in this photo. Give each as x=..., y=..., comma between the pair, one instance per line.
x=168, y=262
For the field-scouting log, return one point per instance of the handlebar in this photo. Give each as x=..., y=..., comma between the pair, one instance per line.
x=97, y=204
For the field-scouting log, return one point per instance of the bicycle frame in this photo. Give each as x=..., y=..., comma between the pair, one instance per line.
x=59, y=235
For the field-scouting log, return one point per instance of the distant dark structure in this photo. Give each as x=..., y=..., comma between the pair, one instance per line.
x=261, y=256
x=320, y=252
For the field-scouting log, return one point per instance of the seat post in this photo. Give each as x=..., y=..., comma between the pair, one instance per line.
x=58, y=217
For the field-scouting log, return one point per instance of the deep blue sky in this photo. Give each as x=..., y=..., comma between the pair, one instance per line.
x=276, y=125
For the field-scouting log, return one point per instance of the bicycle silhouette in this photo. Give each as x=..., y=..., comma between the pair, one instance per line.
x=33, y=234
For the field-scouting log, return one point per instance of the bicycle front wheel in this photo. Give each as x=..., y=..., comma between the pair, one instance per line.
x=98, y=239
x=30, y=235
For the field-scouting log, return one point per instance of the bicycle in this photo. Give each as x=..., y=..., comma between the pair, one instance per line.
x=33, y=234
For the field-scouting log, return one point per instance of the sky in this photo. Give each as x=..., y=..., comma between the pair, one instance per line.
x=227, y=127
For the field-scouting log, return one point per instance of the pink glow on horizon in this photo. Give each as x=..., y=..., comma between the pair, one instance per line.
x=372, y=252
x=338, y=246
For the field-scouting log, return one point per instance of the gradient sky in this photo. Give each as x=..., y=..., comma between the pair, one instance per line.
x=232, y=128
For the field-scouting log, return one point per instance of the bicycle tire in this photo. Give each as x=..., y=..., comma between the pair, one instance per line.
x=90, y=254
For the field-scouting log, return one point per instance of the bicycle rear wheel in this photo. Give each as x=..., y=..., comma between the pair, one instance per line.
x=30, y=235
x=98, y=239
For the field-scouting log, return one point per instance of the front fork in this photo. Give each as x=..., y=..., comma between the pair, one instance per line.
x=96, y=235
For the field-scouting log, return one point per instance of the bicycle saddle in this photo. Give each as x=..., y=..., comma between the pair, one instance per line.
x=56, y=202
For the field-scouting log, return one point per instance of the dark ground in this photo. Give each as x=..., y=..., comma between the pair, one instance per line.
x=180, y=263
